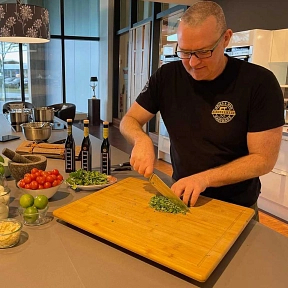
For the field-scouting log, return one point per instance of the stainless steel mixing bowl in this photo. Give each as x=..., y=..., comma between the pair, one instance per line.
x=37, y=131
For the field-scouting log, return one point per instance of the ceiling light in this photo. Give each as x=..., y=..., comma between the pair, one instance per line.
x=22, y=23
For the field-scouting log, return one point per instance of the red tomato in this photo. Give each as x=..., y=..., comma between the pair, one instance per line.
x=21, y=183
x=47, y=185
x=53, y=176
x=27, y=174
x=49, y=172
x=55, y=172
x=49, y=178
x=41, y=180
x=44, y=174
x=59, y=177
x=27, y=179
x=37, y=173
x=34, y=170
x=34, y=185
x=40, y=186
x=33, y=176
x=55, y=183
x=27, y=186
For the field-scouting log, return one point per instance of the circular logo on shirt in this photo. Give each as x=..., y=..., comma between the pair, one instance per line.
x=223, y=112
x=145, y=87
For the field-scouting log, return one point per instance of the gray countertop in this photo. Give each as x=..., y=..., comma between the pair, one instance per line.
x=59, y=255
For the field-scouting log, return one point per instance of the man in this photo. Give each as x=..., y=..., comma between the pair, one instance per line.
x=224, y=116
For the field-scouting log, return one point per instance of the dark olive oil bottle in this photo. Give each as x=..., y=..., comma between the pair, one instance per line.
x=69, y=149
x=86, y=149
x=105, y=151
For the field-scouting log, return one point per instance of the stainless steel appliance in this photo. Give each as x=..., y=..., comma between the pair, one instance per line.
x=240, y=52
x=18, y=117
x=43, y=114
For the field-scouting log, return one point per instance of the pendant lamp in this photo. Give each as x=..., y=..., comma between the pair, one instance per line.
x=22, y=23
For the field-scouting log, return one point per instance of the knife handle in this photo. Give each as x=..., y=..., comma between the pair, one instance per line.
x=125, y=164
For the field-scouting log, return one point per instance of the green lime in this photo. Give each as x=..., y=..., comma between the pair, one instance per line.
x=31, y=214
x=1, y=159
x=40, y=201
x=26, y=200
x=2, y=170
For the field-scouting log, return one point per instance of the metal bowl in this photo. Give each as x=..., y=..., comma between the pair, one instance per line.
x=37, y=131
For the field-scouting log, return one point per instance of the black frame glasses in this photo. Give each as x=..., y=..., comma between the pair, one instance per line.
x=200, y=54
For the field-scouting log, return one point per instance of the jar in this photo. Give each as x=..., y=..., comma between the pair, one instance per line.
x=4, y=198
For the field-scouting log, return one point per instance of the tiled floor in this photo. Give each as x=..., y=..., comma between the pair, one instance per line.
x=118, y=141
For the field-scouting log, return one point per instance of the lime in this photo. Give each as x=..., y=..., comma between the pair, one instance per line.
x=2, y=170
x=1, y=159
x=40, y=201
x=26, y=200
x=31, y=214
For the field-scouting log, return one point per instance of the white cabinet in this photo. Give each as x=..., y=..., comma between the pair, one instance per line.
x=274, y=191
x=163, y=142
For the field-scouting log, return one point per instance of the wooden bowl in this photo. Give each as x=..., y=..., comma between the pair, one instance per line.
x=18, y=170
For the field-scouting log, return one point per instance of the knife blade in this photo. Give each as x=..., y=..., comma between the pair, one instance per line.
x=164, y=190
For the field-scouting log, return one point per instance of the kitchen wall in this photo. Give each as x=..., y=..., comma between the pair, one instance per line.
x=255, y=14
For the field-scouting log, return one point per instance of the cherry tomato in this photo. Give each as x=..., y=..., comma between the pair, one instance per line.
x=59, y=177
x=27, y=179
x=47, y=185
x=55, y=172
x=55, y=183
x=41, y=180
x=49, y=178
x=53, y=176
x=34, y=185
x=27, y=186
x=34, y=170
x=33, y=176
x=40, y=186
x=21, y=183
x=27, y=174
x=37, y=173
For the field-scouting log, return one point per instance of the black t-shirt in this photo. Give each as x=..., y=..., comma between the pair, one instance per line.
x=208, y=121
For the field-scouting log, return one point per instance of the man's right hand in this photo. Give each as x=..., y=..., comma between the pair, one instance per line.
x=143, y=157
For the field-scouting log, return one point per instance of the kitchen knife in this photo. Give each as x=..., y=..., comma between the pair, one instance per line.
x=164, y=190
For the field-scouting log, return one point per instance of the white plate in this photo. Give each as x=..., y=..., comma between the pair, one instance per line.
x=111, y=179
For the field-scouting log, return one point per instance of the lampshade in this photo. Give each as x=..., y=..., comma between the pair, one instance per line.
x=93, y=79
x=22, y=23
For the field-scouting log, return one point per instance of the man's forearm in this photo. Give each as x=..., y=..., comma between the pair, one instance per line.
x=131, y=130
x=241, y=169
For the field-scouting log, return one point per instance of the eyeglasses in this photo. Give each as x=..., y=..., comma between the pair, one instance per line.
x=201, y=54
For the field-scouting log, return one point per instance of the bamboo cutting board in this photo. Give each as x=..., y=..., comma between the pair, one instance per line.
x=191, y=244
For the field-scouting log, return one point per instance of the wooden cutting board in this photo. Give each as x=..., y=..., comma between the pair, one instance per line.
x=46, y=149
x=192, y=244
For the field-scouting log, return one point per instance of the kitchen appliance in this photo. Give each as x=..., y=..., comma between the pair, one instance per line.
x=243, y=53
x=192, y=244
x=43, y=114
x=19, y=116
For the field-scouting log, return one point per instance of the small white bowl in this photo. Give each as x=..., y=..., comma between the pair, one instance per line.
x=48, y=192
x=10, y=230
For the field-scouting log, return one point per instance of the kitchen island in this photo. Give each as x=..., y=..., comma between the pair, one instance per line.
x=59, y=255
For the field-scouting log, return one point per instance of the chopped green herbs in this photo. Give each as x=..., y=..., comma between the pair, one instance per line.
x=85, y=178
x=163, y=204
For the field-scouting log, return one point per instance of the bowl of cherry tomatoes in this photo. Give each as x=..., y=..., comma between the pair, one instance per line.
x=39, y=182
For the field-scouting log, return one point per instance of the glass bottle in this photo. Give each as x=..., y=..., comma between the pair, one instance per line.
x=86, y=149
x=69, y=149
x=105, y=151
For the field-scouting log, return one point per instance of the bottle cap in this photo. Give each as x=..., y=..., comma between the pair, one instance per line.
x=105, y=123
x=86, y=121
x=69, y=120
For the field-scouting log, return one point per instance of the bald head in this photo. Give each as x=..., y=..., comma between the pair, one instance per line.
x=200, y=11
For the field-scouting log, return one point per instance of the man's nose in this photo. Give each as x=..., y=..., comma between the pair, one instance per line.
x=194, y=61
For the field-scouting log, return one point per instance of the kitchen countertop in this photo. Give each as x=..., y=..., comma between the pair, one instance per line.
x=60, y=255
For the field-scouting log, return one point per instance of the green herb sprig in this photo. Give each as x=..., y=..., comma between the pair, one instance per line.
x=163, y=204
x=86, y=178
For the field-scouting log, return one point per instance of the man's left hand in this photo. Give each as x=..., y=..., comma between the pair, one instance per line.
x=190, y=188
